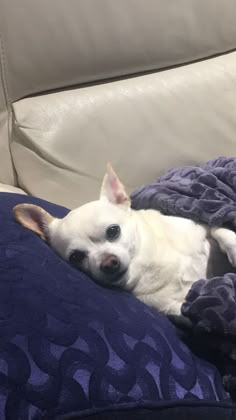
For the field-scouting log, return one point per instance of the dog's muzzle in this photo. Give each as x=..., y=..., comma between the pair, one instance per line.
x=110, y=265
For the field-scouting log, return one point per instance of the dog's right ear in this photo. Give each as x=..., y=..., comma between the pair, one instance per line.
x=113, y=190
x=34, y=218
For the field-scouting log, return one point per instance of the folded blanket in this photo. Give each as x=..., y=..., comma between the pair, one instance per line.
x=205, y=194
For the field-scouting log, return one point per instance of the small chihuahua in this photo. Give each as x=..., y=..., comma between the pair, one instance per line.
x=154, y=256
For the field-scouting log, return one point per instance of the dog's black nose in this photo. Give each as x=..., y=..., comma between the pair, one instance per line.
x=110, y=264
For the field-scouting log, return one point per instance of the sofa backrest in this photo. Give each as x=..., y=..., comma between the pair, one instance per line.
x=137, y=83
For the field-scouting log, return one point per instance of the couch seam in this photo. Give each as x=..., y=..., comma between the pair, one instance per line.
x=3, y=73
x=124, y=76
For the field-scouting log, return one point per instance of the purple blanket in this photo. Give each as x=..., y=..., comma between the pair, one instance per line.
x=206, y=194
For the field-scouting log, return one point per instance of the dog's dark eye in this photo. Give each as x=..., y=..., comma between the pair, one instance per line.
x=77, y=257
x=113, y=232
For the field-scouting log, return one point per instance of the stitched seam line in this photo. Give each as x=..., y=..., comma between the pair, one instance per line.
x=3, y=73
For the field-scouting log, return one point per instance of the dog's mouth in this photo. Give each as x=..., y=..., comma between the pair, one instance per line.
x=116, y=277
x=111, y=269
x=108, y=279
x=113, y=280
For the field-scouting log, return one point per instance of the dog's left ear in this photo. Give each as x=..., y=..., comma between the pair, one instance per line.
x=112, y=188
x=34, y=218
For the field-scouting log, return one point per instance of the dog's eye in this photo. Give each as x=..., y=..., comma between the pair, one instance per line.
x=77, y=257
x=113, y=232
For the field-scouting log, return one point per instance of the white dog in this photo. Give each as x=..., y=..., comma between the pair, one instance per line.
x=156, y=257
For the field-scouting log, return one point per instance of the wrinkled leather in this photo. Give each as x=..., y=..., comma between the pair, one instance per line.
x=143, y=125
x=58, y=43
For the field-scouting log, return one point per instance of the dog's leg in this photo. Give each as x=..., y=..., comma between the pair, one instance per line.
x=226, y=240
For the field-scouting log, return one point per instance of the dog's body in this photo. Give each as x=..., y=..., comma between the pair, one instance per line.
x=156, y=257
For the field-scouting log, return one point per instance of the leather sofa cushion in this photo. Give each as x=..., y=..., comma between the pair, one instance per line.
x=143, y=125
x=10, y=188
x=55, y=44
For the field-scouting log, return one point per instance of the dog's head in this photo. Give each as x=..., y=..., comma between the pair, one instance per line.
x=99, y=237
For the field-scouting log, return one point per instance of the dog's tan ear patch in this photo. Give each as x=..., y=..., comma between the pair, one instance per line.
x=112, y=188
x=34, y=218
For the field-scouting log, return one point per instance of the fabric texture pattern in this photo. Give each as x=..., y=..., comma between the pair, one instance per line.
x=68, y=345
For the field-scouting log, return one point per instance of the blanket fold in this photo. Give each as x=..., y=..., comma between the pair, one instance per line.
x=205, y=194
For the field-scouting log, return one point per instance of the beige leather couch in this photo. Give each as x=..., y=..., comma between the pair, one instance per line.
x=147, y=85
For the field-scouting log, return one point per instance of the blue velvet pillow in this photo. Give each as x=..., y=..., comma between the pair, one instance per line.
x=71, y=347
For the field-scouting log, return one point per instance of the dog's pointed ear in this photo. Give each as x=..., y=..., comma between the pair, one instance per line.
x=34, y=218
x=112, y=188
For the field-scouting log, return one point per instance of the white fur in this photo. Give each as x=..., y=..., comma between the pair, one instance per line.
x=162, y=255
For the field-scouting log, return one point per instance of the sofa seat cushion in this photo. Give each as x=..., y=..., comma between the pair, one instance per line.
x=10, y=188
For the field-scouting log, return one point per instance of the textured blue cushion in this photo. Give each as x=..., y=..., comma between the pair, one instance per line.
x=68, y=345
